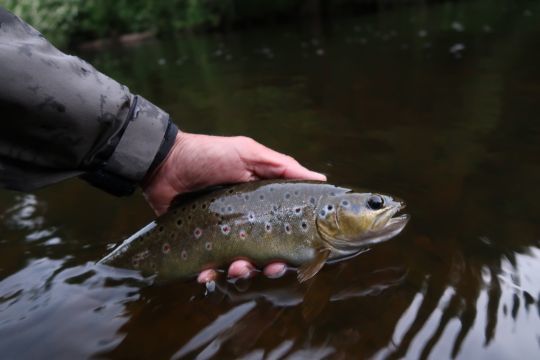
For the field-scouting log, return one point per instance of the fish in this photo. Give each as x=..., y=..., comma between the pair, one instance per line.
x=303, y=223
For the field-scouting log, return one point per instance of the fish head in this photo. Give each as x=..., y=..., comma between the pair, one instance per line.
x=349, y=222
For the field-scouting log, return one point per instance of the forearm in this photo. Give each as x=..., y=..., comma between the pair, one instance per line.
x=61, y=117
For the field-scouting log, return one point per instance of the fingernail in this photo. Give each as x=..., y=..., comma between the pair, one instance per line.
x=277, y=274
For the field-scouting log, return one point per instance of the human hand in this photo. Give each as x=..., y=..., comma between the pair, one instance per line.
x=198, y=161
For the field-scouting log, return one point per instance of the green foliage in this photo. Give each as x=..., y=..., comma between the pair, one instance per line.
x=54, y=18
x=71, y=21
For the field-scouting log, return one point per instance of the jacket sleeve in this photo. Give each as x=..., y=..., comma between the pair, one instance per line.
x=60, y=117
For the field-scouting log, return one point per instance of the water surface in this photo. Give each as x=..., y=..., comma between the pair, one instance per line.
x=435, y=104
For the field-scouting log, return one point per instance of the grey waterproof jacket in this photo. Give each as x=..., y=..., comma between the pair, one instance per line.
x=60, y=117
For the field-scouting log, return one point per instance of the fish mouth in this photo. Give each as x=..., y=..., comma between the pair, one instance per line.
x=393, y=226
x=399, y=219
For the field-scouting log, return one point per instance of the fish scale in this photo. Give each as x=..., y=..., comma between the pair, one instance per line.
x=261, y=221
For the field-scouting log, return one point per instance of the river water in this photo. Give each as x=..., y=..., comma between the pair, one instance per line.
x=437, y=105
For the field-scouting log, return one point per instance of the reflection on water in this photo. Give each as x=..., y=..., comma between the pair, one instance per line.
x=436, y=104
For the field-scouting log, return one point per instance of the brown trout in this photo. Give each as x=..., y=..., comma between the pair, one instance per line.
x=303, y=223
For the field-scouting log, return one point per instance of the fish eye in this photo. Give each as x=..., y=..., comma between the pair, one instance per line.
x=375, y=202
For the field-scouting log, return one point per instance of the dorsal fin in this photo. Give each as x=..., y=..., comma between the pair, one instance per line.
x=185, y=198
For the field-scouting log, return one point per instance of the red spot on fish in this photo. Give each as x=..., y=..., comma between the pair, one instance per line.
x=242, y=234
x=197, y=233
x=166, y=248
x=225, y=229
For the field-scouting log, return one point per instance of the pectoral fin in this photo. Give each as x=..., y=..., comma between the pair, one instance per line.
x=307, y=271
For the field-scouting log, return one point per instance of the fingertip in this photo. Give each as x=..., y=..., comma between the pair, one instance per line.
x=207, y=276
x=275, y=270
x=241, y=269
x=317, y=176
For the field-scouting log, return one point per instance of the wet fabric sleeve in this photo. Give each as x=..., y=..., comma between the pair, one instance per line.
x=60, y=117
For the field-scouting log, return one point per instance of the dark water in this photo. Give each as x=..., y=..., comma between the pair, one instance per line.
x=438, y=105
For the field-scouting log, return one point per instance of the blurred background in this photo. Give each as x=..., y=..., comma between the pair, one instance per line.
x=435, y=102
x=74, y=21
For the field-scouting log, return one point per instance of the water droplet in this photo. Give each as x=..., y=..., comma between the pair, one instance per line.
x=457, y=26
x=457, y=50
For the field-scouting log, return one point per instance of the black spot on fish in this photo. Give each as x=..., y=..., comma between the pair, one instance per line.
x=251, y=217
x=298, y=210
x=345, y=203
x=208, y=246
x=261, y=197
x=287, y=196
x=213, y=200
x=179, y=222
x=203, y=206
x=268, y=227
x=304, y=225
x=171, y=235
x=183, y=255
x=189, y=217
x=275, y=208
x=332, y=193
x=230, y=209
x=330, y=207
x=193, y=207
x=322, y=213
x=312, y=200
x=197, y=233
x=230, y=191
x=160, y=229
x=288, y=229
x=296, y=193
x=246, y=197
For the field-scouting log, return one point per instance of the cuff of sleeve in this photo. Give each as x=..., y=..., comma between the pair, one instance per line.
x=145, y=142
